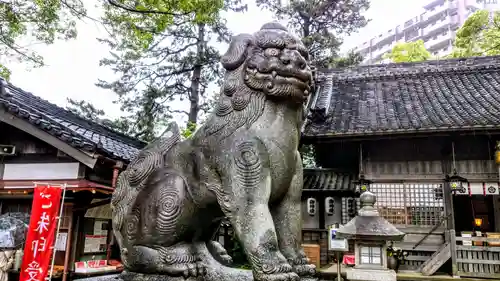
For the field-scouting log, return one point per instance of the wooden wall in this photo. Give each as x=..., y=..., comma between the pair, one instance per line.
x=31, y=148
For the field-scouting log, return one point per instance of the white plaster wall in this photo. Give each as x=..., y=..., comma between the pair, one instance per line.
x=41, y=171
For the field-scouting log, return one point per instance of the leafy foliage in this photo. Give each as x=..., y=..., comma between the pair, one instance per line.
x=321, y=23
x=308, y=155
x=84, y=109
x=478, y=36
x=237, y=253
x=165, y=61
x=350, y=59
x=189, y=130
x=409, y=52
x=35, y=21
x=145, y=131
x=89, y=112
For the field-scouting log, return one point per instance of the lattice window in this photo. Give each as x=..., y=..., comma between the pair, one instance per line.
x=410, y=203
x=370, y=254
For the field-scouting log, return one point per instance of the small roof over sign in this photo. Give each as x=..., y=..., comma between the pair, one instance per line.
x=100, y=212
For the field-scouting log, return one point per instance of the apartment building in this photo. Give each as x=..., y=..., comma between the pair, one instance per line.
x=436, y=26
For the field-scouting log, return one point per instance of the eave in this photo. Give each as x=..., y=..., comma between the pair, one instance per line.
x=86, y=158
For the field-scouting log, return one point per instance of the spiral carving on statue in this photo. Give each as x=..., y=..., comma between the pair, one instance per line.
x=247, y=162
x=132, y=224
x=169, y=210
x=145, y=163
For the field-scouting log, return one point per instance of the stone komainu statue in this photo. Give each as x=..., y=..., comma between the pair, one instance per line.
x=242, y=164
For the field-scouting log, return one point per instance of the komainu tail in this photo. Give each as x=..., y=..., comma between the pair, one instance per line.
x=131, y=181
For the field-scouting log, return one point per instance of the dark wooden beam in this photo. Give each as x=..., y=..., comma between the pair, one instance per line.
x=331, y=138
x=93, y=205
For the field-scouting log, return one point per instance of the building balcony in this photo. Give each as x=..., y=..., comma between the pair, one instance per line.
x=440, y=40
x=384, y=38
x=437, y=26
x=429, y=15
x=380, y=52
x=441, y=53
x=411, y=23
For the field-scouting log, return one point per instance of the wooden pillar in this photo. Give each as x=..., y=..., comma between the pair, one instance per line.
x=321, y=211
x=110, y=241
x=450, y=237
x=448, y=196
x=448, y=206
x=116, y=171
x=69, y=248
x=450, y=213
x=78, y=236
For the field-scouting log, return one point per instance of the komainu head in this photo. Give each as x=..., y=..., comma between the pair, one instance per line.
x=272, y=61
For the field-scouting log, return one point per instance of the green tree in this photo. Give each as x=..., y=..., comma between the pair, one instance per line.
x=88, y=111
x=352, y=58
x=308, y=155
x=409, y=52
x=84, y=109
x=478, y=36
x=321, y=23
x=29, y=22
x=165, y=61
x=146, y=129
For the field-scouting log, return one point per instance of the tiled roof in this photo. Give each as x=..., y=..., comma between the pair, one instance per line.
x=327, y=179
x=67, y=126
x=441, y=95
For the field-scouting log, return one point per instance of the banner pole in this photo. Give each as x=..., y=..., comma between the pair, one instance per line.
x=54, y=250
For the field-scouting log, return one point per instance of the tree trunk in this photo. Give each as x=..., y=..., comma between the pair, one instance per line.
x=194, y=97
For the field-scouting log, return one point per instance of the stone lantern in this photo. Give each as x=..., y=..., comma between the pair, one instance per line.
x=370, y=233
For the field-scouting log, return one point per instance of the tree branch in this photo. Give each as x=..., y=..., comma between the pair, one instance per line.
x=134, y=10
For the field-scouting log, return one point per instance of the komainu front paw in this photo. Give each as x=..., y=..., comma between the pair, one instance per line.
x=275, y=271
x=186, y=266
x=291, y=276
x=302, y=267
x=305, y=269
x=220, y=253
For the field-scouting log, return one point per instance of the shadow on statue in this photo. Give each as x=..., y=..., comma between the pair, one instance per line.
x=242, y=164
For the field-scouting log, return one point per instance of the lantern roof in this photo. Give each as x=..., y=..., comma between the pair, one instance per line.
x=369, y=225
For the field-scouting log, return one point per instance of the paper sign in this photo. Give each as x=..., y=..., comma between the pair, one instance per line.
x=62, y=237
x=336, y=244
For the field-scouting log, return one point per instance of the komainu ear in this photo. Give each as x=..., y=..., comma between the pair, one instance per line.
x=237, y=52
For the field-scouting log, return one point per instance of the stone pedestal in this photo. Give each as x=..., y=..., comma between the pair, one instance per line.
x=356, y=274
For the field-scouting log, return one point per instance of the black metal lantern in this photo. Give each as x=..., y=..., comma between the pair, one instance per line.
x=457, y=183
x=362, y=184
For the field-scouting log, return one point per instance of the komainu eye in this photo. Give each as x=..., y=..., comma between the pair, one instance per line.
x=271, y=52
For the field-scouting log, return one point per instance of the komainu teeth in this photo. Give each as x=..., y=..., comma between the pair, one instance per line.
x=274, y=74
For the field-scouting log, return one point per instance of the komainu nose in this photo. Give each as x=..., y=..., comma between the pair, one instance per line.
x=292, y=56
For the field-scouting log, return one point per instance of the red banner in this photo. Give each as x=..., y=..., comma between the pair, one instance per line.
x=41, y=233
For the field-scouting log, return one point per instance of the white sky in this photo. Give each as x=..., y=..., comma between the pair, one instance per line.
x=72, y=67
